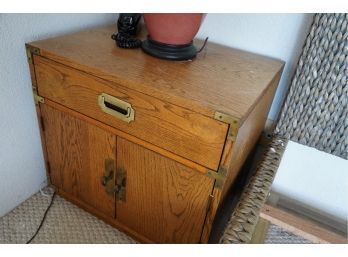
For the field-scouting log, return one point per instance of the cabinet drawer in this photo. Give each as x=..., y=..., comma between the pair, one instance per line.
x=188, y=134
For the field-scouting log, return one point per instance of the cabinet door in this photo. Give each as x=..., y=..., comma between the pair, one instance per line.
x=165, y=201
x=77, y=151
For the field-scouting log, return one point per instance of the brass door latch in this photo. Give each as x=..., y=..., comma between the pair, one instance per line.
x=114, y=184
x=121, y=182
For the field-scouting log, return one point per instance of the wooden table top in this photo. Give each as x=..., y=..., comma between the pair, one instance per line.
x=220, y=78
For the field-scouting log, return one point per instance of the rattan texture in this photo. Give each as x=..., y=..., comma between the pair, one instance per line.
x=315, y=112
x=245, y=216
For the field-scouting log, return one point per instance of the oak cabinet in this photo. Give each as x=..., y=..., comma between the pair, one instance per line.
x=77, y=151
x=165, y=201
x=149, y=146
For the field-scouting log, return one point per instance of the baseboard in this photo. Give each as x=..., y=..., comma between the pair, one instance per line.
x=333, y=223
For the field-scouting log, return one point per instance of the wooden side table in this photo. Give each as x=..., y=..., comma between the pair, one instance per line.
x=148, y=145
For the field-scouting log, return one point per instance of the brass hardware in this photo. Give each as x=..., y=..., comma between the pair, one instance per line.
x=114, y=184
x=219, y=176
x=116, y=107
x=29, y=57
x=121, y=182
x=234, y=124
x=38, y=99
x=108, y=180
x=30, y=50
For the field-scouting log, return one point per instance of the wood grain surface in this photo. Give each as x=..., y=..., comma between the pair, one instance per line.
x=76, y=152
x=301, y=226
x=219, y=79
x=110, y=220
x=173, y=140
x=235, y=153
x=213, y=208
x=166, y=201
x=248, y=135
x=181, y=131
x=129, y=137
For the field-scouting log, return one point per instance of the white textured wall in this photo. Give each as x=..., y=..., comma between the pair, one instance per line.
x=275, y=35
x=22, y=169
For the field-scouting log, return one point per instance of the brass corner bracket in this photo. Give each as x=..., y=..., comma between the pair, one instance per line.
x=219, y=176
x=233, y=122
x=30, y=50
x=38, y=99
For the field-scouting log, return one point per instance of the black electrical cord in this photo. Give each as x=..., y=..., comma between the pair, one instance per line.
x=43, y=219
x=127, y=26
x=124, y=40
x=204, y=44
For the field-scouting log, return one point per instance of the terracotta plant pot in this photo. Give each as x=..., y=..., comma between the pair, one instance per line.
x=173, y=28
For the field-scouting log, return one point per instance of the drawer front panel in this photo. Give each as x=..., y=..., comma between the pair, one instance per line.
x=178, y=130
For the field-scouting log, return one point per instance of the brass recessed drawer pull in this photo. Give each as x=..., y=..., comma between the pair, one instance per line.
x=116, y=107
